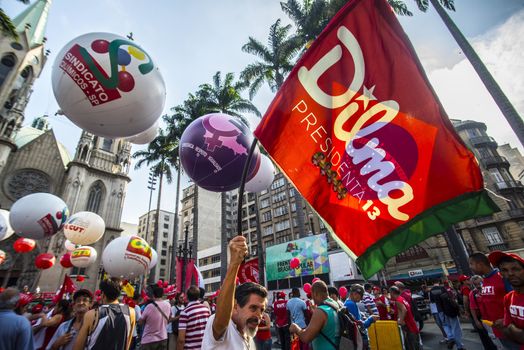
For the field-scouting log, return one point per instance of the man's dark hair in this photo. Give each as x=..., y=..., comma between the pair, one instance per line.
x=509, y=259
x=202, y=292
x=193, y=293
x=156, y=291
x=333, y=291
x=82, y=293
x=295, y=292
x=111, y=288
x=480, y=258
x=394, y=290
x=244, y=290
x=368, y=286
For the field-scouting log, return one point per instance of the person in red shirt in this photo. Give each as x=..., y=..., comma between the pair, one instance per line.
x=474, y=308
x=282, y=321
x=512, y=267
x=405, y=319
x=382, y=304
x=494, y=288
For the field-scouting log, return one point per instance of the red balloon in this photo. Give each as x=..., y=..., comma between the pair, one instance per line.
x=45, y=261
x=80, y=278
x=343, y=291
x=294, y=263
x=160, y=283
x=315, y=279
x=166, y=283
x=307, y=288
x=65, y=260
x=24, y=245
x=2, y=257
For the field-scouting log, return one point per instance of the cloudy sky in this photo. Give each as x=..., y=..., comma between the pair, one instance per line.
x=191, y=40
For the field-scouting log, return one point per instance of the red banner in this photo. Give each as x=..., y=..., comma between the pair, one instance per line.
x=248, y=271
x=191, y=275
x=359, y=131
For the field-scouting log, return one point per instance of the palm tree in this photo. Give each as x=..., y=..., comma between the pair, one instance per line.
x=223, y=96
x=310, y=18
x=158, y=155
x=277, y=59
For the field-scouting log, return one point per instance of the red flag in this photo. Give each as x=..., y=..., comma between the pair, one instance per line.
x=248, y=271
x=68, y=286
x=359, y=131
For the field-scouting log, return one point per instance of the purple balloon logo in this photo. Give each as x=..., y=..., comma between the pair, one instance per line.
x=213, y=152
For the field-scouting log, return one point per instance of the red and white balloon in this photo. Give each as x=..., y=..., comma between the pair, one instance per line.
x=6, y=230
x=84, y=228
x=65, y=260
x=45, y=261
x=83, y=256
x=127, y=256
x=24, y=245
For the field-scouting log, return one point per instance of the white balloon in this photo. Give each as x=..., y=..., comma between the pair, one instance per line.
x=38, y=215
x=83, y=256
x=84, y=227
x=146, y=136
x=108, y=85
x=154, y=258
x=6, y=230
x=127, y=256
x=263, y=177
x=70, y=246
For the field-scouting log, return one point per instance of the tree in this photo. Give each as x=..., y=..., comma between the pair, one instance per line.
x=310, y=18
x=277, y=59
x=159, y=156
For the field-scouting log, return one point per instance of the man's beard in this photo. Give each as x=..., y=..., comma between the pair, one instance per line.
x=251, y=332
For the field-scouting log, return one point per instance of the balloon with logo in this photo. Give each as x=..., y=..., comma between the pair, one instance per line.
x=65, y=260
x=108, y=85
x=83, y=256
x=154, y=258
x=127, y=256
x=145, y=137
x=6, y=230
x=264, y=175
x=24, y=245
x=45, y=261
x=2, y=257
x=38, y=215
x=214, y=149
x=84, y=228
x=70, y=246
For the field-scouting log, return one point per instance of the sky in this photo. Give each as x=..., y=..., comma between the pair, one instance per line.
x=191, y=40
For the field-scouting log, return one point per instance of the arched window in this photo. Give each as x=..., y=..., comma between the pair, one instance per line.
x=83, y=155
x=6, y=65
x=95, y=197
x=106, y=144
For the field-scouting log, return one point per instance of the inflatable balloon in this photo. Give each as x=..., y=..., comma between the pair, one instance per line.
x=294, y=263
x=315, y=280
x=45, y=261
x=24, y=245
x=80, y=278
x=65, y=260
x=6, y=230
x=127, y=256
x=264, y=176
x=2, y=257
x=38, y=215
x=70, y=246
x=83, y=256
x=154, y=258
x=146, y=136
x=343, y=292
x=84, y=228
x=307, y=288
x=213, y=151
x=108, y=85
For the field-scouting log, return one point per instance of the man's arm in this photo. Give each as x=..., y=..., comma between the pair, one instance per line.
x=306, y=335
x=81, y=337
x=514, y=333
x=181, y=340
x=401, y=310
x=144, y=315
x=226, y=298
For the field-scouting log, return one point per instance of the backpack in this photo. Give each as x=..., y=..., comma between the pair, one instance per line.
x=449, y=307
x=351, y=330
x=414, y=310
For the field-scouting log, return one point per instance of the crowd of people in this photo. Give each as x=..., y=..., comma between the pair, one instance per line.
x=492, y=299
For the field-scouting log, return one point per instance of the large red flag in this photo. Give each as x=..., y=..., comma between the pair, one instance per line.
x=359, y=131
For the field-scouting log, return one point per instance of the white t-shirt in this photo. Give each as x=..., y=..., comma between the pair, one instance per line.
x=231, y=340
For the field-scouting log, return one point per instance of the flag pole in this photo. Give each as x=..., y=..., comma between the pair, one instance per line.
x=242, y=183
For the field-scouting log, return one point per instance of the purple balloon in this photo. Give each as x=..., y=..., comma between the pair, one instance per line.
x=213, y=151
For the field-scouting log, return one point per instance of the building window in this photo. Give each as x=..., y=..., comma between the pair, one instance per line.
x=473, y=133
x=162, y=261
x=166, y=217
x=166, y=225
x=215, y=258
x=268, y=230
x=78, y=271
x=412, y=253
x=495, y=173
x=106, y=145
x=95, y=197
x=278, y=197
x=164, y=252
x=264, y=203
x=164, y=244
x=266, y=216
x=492, y=235
x=6, y=65
x=281, y=210
x=278, y=183
x=282, y=225
x=163, y=272
x=165, y=234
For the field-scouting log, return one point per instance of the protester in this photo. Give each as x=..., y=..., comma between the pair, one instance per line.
x=297, y=312
x=110, y=323
x=154, y=319
x=239, y=309
x=436, y=309
x=356, y=292
x=192, y=322
x=404, y=317
x=263, y=339
x=137, y=331
x=176, y=309
x=369, y=300
x=15, y=330
x=61, y=313
x=449, y=313
x=65, y=335
x=324, y=329
x=335, y=296
x=282, y=320
x=511, y=267
x=474, y=308
x=494, y=288
x=465, y=290
x=382, y=304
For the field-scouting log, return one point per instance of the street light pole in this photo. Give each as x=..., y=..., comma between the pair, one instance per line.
x=151, y=186
x=186, y=254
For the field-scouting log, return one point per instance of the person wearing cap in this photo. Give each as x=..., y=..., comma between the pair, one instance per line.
x=494, y=288
x=382, y=304
x=282, y=320
x=512, y=326
x=15, y=330
x=65, y=335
